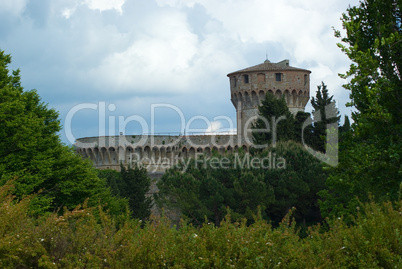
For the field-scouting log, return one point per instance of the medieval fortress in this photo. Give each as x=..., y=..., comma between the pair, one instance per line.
x=248, y=88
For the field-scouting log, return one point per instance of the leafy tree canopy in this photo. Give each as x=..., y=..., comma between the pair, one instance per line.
x=275, y=180
x=132, y=184
x=371, y=160
x=32, y=154
x=275, y=122
x=324, y=113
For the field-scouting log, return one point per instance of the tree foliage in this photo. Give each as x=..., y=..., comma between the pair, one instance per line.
x=132, y=184
x=325, y=114
x=275, y=180
x=275, y=122
x=32, y=154
x=371, y=160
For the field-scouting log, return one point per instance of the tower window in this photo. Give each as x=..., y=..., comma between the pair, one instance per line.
x=278, y=76
x=305, y=80
x=246, y=79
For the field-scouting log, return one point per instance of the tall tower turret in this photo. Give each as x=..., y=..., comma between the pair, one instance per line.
x=249, y=86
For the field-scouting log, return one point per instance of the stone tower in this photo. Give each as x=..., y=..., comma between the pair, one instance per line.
x=249, y=86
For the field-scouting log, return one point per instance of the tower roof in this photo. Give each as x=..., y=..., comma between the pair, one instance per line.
x=268, y=66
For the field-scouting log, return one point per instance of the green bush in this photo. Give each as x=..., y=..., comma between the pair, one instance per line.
x=78, y=239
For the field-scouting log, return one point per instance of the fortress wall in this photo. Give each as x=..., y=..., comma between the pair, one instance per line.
x=156, y=153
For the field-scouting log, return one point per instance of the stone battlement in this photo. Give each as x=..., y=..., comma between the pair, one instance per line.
x=108, y=152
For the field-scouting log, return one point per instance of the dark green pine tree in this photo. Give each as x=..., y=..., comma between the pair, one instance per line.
x=324, y=113
x=345, y=128
x=275, y=123
x=134, y=185
x=303, y=135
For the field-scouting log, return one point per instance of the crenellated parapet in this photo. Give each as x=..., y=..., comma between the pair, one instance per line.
x=154, y=152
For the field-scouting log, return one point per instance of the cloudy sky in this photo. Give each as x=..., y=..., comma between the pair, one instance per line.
x=97, y=60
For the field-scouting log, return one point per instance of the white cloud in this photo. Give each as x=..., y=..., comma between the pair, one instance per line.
x=159, y=59
x=103, y=5
x=70, y=6
x=217, y=127
x=14, y=7
x=173, y=51
x=214, y=127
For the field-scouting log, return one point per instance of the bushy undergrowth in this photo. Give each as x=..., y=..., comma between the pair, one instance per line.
x=80, y=238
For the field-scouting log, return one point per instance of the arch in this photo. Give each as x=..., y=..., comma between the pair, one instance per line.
x=83, y=152
x=91, y=155
x=104, y=155
x=234, y=98
x=222, y=150
x=287, y=97
x=155, y=153
x=240, y=100
x=236, y=148
x=191, y=152
x=261, y=77
x=214, y=149
x=147, y=152
x=278, y=93
x=270, y=92
x=113, y=159
x=162, y=152
x=306, y=98
x=261, y=96
x=300, y=99
x=294, y=98
x=97, y=155
x=137, y=154
x=244, y=147
x=247, y=99
x=254, y=98
x=229, y=149
x=207, y=151
x=169, y=153
x=185, y=152
x=121, y=154
x=127, y=153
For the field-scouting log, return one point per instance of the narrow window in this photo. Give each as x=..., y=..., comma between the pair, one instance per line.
x=305, y=80
x=234, y=81
x=246, y=79
x=278, y=76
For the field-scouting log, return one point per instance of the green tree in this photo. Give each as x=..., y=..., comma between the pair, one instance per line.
x=208, y=187
x=324, y=113
x=132, y=184
x=275, y=122
x=345, y=128
x=136, y=184
x=32, y=154
x=296, y=185
x=275, y=180
x=306, y=133
x=371, y=160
